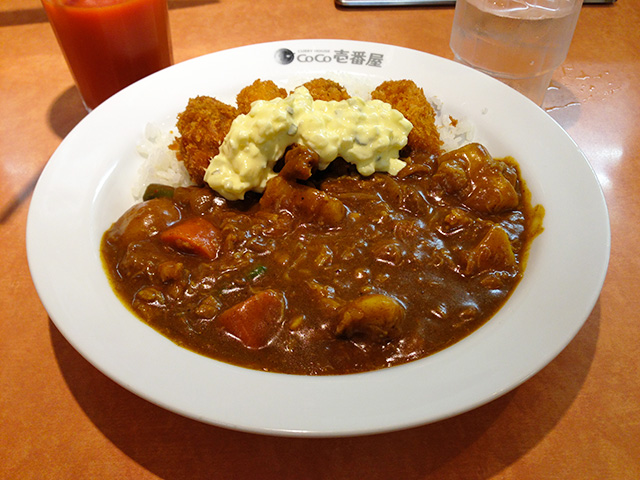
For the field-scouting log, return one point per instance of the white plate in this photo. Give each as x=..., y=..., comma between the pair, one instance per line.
x=87, y=185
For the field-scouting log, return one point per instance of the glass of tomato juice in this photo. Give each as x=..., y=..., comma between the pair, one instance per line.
x=109, y=44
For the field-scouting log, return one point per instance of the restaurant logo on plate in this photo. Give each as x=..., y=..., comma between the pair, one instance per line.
x=285, y=56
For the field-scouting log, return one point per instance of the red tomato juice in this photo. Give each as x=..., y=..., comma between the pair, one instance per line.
x=109, y=44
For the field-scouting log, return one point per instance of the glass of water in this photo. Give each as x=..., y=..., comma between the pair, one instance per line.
x=520, y=42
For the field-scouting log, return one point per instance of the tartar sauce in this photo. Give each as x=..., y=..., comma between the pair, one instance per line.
x=366, y=133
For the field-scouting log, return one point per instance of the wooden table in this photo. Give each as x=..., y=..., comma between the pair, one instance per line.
x=579, y=418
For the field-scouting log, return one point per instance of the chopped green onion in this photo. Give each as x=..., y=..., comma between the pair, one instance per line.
x=256, y=272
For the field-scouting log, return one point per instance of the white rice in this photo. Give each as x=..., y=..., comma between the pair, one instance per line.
x=454, y=133
x=160, y=164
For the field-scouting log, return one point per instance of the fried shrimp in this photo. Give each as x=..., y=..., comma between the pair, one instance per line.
x=202, y=126
x=258, y=90
x=409, y=99
x=327, y=90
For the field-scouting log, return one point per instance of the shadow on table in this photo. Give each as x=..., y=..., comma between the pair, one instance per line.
x=174, y=447
x=66, y=112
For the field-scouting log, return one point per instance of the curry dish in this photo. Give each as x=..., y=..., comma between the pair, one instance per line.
x=326, y=271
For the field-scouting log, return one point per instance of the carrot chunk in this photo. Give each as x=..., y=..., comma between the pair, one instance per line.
x=256, y=320
x=194, y=235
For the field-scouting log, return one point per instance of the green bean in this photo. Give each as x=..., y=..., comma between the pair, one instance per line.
x=157, y=190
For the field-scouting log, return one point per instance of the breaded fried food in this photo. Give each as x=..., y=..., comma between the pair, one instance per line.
x=409, y=99
x=202, y=125
x=258, y=90
x=327, y=90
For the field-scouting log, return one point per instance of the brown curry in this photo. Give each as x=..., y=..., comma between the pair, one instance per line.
x=338, y=274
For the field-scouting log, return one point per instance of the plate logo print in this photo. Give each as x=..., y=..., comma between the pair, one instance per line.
x=285, y=56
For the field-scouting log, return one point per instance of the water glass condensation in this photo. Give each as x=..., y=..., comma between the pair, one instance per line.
x=520, y=42
x=110, y=44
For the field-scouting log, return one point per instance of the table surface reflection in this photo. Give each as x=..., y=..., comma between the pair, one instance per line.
x=578, y=418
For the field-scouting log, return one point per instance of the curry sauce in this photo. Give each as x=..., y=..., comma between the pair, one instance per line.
x=329, y=272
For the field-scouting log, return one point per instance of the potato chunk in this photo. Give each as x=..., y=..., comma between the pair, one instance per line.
x=375, y=317
x=493, y=253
